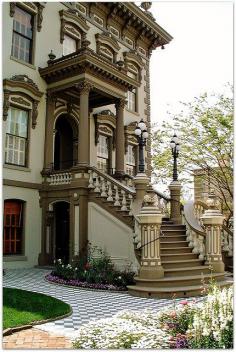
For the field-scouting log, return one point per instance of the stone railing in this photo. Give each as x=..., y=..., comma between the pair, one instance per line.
x=192, y=218
x=227, y=240
x=60, y=178
x=195, y=232
x=113, y=191
x=163, y=202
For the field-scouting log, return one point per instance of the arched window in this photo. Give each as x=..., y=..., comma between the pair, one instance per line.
x=13, y=227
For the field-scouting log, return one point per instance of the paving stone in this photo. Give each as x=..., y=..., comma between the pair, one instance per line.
x=87, y=305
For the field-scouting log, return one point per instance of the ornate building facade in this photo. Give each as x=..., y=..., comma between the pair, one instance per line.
x=76, y=82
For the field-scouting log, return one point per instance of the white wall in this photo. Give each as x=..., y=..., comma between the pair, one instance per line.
x=109, y=233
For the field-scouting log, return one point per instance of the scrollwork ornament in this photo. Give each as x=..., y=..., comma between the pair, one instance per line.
x=6, y=104
x=12, y=8
x=120, y=104
x=34, y=114
x=84, y=87
x=40, y=17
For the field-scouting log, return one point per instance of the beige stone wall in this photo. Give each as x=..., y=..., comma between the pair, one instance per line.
x=107, y=232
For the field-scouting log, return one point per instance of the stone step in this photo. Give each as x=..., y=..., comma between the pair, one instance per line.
x=172, y=244
x=168, y=292
x=173, y=231
x=187, y=271
x=180, y=281
x=173, y=227
x=173, y=238
x=176, y=250
x=177, y=256
x=181, y=263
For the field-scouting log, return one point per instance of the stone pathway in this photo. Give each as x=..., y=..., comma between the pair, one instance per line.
x=34, y=339
x=87, y=305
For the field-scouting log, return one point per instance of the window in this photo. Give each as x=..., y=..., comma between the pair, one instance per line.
x=102, y=153
x=22, y=40
x=16, y=137
x=131, y=99
x=130, y=160
x=13, y=227
x=69, y=45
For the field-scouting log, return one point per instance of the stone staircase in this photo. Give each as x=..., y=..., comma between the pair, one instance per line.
x=112, y=195
x=184, y=272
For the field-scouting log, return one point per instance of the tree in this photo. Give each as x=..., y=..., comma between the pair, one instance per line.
x=205, y=129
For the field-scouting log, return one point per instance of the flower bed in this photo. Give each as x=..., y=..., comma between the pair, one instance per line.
x=84, y=284
x=94, y=271
x=208, y=324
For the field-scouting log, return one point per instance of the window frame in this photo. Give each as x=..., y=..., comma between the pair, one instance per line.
x=27, y=138
x=131, y=101
x=22, y=235
x=76, y=40
x=32, y=40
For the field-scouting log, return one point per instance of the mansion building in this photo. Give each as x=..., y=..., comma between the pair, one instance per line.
x=76, y=82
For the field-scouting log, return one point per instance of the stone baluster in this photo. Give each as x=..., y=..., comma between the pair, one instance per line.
x=91, y=185
x=131, y=204
x=191, y=243
x=117, y=197
x=201, y=248
x=110, y=198
x=124, y=202
x=103, y=188
x=97, y=185
x=195, y=243
x=230, y=252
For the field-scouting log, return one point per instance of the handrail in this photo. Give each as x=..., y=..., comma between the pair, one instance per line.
x=190, y=218
x=161, y=195
x=113, y=180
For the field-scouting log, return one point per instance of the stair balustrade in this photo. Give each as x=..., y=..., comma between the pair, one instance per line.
x=112, y=190
x=227, y=241
x=195, y=232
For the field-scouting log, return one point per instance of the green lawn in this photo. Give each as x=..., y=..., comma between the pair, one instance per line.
x=23, y=307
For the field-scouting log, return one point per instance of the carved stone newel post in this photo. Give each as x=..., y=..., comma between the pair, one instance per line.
x=212, y=219
x=149, y=219
x=175, y=205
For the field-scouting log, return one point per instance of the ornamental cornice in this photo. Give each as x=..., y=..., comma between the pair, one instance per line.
x=23, y=81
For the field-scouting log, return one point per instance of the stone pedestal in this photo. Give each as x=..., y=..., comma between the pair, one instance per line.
x=140, y=182
x=212, y=219
x=175, y=205
x=150, y=219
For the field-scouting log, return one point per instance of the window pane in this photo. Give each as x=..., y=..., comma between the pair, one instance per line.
x=69, y=45
x=23, y=22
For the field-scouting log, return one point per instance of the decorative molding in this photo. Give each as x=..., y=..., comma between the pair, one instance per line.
x=106, y=45
x=20, y=101
x=12, y=8
x=13, y=90
x=40, y=16
x=75, y=22
x=6, y=104
x=105, y=123
x=84, y=87
x=133, y=56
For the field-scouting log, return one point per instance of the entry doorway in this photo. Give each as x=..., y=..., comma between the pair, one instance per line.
x=62, y=230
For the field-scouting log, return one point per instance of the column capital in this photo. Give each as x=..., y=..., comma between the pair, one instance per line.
x=120, y=104
x=84, y=87
x=50, y=97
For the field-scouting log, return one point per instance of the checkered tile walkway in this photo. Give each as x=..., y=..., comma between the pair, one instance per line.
x=86, y=304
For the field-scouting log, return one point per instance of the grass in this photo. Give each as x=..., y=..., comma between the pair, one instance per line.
x=24, y=307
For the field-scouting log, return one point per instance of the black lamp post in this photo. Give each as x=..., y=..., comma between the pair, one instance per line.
x=175, y=147
x=142, y=134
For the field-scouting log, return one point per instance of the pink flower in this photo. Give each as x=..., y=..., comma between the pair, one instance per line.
x=184, y=303
x=173, y=314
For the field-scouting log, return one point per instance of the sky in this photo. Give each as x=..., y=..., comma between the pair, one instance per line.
x=198, y=59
